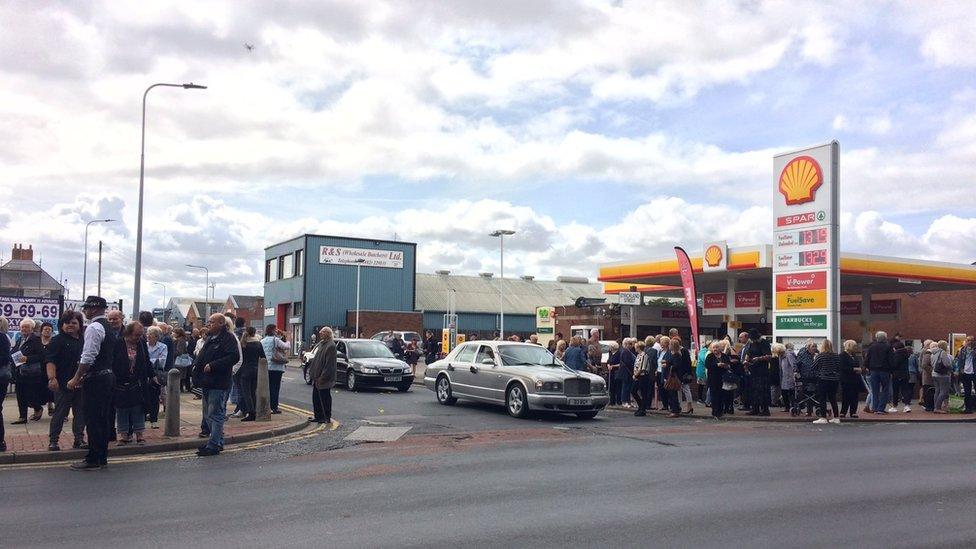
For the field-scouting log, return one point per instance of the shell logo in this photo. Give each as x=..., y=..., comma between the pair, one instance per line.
x=800, y=180
x=713, y=256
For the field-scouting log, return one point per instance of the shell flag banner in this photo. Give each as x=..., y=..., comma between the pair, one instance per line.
x=691, y=294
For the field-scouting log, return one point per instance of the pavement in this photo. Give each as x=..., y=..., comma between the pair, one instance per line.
x=28, y=443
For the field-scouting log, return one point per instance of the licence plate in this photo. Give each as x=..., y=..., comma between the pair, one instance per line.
x=393, y=378
x=581, y=402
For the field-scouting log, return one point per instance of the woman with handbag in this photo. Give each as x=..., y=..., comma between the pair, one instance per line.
x=732, y=376
x=673, y=370
x=133, y=375
x=6, y=366
x=642, y=377
x=157, y=359
x=31, y=390
x=253, y=351
x=275, y=349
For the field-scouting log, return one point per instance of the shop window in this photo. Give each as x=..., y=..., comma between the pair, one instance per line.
x=286, y=266
x=270, y=270
x=296, y=308
x=299, y=264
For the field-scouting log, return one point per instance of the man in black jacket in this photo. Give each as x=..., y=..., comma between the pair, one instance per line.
x=212, y=372
x=879, y=360
x=756, y=357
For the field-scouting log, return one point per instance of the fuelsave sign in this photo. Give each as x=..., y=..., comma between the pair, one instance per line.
x=806, y=273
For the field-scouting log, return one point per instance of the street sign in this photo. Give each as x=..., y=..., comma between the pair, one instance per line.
x=806, y=217
x=629, y=298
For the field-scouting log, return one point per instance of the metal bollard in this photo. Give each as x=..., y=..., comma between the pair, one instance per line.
x=263, y=404
x=173, y=403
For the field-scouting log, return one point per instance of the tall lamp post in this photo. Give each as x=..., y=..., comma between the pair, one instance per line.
x=206, y=288
x=359, y=265
x=164, y=291
x=142, y=172
x=84, y=276
x=501, y=234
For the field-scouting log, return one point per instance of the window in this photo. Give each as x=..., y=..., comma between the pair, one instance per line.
x=296, y=308
x=485, y=354
x=270, y=270
x=299, y=264
x=286, y=266
x=466, y=354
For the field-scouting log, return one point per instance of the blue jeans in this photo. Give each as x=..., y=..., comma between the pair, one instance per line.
x=214, y=415
x=880, y=389
x=130, y=420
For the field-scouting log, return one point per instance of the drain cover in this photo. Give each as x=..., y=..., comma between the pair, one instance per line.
x=378, y=434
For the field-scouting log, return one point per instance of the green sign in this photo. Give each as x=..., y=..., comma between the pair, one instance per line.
x=801, y=322
x=544, y=313
x=544, y=330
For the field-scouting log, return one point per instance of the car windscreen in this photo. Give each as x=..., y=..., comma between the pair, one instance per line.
x=526, y=355
x=366, y=348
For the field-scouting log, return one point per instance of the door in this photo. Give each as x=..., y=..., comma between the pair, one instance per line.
x=462, y=378
x=296, y=339
x=342, y=363
x=488, y=376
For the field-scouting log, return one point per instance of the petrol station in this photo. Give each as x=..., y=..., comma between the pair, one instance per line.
x=801, y=286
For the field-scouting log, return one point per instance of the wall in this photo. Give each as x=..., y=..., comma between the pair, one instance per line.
x=930, y=315
x=482, y=324
x=371, y=322
x=289, y=290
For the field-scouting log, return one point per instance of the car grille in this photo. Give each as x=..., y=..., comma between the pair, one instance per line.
x=577, y=387
x=391, y=370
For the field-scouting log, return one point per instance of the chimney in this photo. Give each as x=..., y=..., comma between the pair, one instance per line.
x=486, y=275
x=527, y=278
x=443, y=272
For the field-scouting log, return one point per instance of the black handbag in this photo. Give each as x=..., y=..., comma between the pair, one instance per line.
x=31, y=369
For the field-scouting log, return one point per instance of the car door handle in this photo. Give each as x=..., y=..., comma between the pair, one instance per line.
x=474, y=369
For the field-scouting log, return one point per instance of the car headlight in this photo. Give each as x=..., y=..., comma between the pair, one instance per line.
x=408, y=369
x=368, y=370
x=548, y=386
x=598, y=387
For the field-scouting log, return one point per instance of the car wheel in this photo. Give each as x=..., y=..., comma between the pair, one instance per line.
x=351, y=381
x=516, y=401
x=308, y=380
x=586, y=415
x=443, y=390
x=404, y=387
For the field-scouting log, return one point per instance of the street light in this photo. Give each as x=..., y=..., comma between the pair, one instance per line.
x=501, y=234
x=164, y=292
x=84, y=277
x=359, y=265
x=142, y=171
x=206, y=287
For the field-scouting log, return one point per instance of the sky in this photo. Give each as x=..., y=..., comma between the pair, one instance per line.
x=598, y=131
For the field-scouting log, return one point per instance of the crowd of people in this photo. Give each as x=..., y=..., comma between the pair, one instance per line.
x=751, y=375
x=109, y=375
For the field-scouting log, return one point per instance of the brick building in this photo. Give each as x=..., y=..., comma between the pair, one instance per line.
x=248, y=307
x=931, y=315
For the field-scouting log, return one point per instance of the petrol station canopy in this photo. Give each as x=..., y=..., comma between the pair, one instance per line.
x=751, y=267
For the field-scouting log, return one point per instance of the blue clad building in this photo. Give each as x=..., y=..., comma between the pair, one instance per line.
x=310, y=281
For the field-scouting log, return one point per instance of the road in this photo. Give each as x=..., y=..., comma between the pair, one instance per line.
x=471, y=476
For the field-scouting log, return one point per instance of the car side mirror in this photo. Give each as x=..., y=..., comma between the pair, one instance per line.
x=488, y=362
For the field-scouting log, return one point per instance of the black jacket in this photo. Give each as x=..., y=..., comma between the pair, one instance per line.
x=757, y=349
x=899, y=360
x=847, y=374
x=131, y=380
x=220, y=352
x=33, y=349
x=64, y=352
x=712, y=370
x=253, y=352
x=879, y=357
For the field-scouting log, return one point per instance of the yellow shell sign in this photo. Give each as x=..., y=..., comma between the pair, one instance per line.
x=800, y=179
x=713, y=256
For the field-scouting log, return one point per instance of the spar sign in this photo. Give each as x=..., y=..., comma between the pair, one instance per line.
x=806, y=272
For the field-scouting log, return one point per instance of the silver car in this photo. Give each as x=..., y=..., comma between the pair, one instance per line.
x=520, y=376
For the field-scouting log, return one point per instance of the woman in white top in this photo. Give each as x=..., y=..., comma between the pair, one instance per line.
x=275, y=349
x=157, y=358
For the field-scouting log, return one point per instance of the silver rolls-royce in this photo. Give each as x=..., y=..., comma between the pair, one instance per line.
x=520, y=376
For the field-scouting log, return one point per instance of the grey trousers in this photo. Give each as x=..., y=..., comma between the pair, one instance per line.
x=65, y=401
x=942, y=384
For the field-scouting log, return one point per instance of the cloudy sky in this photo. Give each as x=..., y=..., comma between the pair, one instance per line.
x=600, y=131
